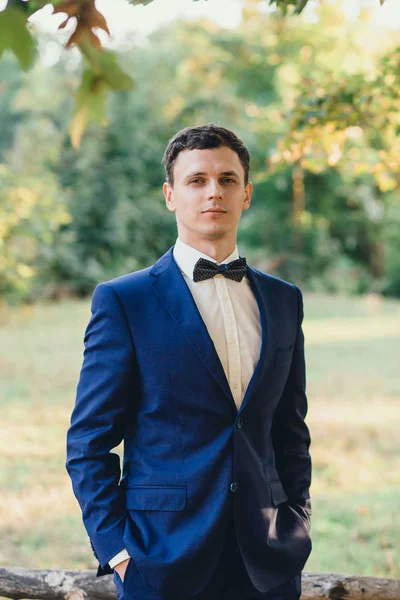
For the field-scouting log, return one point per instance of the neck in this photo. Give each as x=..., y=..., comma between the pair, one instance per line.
x=216, y=249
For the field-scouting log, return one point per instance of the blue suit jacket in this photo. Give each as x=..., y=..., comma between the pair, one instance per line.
x=151, y=377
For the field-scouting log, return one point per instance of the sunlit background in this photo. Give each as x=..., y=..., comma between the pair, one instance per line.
x=123, y=18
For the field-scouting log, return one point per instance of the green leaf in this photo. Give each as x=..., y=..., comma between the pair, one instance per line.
x=116, y=78
x=105, y=63
x=34, y=5
x=300, y=5
x=102, y=74
x=23, y=6
x=137, y=2
x=89, y=105
x=91, y=90
x=14, y=36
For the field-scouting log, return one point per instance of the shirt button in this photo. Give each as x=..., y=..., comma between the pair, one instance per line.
x=234, y=486
x=239, y=423
x=235, y=386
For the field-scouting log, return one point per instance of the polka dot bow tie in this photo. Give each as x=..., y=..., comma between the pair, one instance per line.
x=205, y=269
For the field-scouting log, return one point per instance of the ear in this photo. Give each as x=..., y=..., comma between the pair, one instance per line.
x=169, y=197
x=247, y=196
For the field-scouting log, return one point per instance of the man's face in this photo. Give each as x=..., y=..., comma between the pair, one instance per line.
x=205, y=180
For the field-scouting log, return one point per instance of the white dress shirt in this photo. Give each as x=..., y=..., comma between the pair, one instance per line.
x=231, y=315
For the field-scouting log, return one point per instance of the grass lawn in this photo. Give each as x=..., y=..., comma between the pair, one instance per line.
x=353, y=384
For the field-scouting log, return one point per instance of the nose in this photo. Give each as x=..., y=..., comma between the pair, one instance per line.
x=215, y=190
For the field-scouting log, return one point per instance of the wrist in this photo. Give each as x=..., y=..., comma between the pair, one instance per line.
x=121, y=567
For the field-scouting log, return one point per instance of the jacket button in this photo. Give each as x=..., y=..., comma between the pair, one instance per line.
x=239, y=423
x=234, y=486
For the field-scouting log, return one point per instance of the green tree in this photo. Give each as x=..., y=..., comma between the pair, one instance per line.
x=323, y=223
x=102, y=72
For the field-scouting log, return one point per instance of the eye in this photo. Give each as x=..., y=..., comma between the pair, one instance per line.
x=223, y=179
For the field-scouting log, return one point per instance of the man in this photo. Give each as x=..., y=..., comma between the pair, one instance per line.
x=197, y=364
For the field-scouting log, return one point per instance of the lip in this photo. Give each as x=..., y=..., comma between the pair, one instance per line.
x=215, y=210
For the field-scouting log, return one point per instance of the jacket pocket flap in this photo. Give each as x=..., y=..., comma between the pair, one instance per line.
x=156, y=497
x=278, y=494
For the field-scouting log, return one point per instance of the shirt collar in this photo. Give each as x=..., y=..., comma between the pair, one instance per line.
x=186, y=257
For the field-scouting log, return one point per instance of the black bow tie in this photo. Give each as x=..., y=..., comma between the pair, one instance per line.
x=204, y=269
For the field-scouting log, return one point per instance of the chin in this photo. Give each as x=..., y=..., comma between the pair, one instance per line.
x=216, y=233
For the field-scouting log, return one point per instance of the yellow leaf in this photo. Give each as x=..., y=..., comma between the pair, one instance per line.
x=385, y=182
x=78, y=126
x=25, y=271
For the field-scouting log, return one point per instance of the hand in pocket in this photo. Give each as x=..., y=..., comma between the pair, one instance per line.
x=121, y=568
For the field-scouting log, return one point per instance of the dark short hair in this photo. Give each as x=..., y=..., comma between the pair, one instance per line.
x=202, y=138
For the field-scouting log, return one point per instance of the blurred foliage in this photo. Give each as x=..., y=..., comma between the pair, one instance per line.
x=348, y=118
x=102, y=73
x=31, y=214
x=322, y=213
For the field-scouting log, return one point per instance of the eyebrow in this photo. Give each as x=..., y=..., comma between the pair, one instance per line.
x=202, y=173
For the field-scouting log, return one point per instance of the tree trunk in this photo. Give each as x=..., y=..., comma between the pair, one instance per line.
x=32, y=584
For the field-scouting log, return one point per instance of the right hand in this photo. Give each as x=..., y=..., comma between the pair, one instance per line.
x=121, y=568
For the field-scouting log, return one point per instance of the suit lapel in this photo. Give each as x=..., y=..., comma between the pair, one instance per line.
x=258, y=285
x=178, y=300
x=170, y=286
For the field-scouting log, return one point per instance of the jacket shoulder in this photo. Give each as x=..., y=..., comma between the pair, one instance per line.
x=276, y=283
x=129, y=280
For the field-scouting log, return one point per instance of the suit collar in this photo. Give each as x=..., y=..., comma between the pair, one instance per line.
x=164, y=263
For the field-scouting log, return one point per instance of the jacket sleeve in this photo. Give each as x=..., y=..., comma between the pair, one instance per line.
x=105, y=387
x=290, y=434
